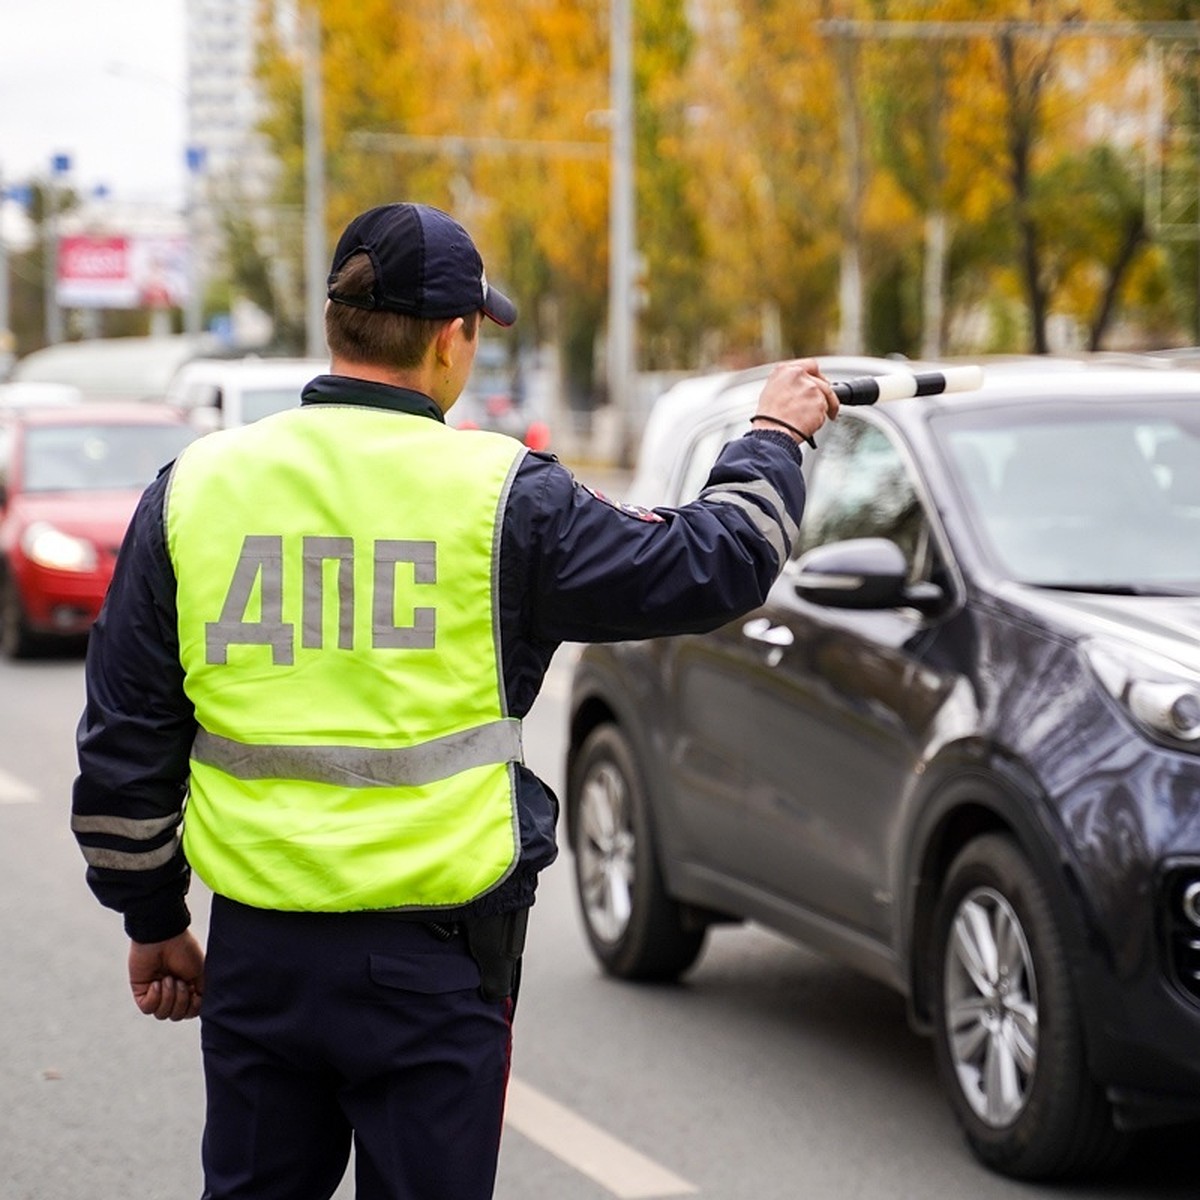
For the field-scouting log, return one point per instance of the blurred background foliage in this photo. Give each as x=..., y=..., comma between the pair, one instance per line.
x=785, y=151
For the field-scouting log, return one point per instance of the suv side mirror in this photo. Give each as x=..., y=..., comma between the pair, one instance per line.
x=862, y=573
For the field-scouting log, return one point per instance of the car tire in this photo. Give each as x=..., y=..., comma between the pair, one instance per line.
x=1007, y=1028
x=16, y=641
x=635, y=929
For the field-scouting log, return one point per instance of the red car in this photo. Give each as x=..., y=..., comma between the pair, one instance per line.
x=70, y=478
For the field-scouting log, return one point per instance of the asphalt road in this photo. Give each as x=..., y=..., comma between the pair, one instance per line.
x=769, y=1074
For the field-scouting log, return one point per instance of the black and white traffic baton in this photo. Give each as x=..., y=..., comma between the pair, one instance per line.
x=896, y=385
x=902, y=384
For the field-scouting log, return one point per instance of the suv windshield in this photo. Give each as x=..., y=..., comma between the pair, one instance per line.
x=1097, y=496
x=100, y=457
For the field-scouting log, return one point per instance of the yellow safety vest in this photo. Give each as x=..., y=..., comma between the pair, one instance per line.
x=339, y=631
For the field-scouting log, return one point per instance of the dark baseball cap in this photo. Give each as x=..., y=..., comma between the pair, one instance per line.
x=425, y=265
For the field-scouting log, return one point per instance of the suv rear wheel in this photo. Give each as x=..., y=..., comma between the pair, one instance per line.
x=1007, y=1029
x=635, y=929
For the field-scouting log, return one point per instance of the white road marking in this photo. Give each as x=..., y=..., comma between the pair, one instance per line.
x=617, y=1168
x=557, y=682
x=13, y=791
x=556, y=686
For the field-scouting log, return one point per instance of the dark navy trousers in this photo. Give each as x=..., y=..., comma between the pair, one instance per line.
x=322, y=1028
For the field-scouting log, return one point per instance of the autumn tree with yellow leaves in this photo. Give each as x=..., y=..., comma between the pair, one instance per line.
x=781, y=147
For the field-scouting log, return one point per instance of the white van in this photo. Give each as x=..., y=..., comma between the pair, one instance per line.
x=118, y=368
x=220, y=393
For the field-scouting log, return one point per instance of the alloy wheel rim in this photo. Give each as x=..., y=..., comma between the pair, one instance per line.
x=991, y=1017
x=606, y=852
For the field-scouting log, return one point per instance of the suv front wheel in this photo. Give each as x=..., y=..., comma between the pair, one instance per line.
x=635, y=929
x=1007, y=1029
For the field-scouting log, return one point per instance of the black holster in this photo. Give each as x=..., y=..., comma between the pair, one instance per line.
x=496, y=944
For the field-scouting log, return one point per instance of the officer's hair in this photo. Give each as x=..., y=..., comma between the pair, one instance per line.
x=374, y=337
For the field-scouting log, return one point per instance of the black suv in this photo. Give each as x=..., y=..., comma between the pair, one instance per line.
x=958, y=748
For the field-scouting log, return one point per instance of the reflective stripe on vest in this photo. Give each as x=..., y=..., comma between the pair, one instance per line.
x=359, y=766
x=339, y=636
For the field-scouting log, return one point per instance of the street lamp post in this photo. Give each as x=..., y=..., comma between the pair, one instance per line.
x=60, y=164
x=621, y=246
x=5, y=332
x=22, y=195
x=194, y=313
x=315, y=260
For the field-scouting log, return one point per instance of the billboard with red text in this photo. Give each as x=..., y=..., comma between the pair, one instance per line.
x=122, y=272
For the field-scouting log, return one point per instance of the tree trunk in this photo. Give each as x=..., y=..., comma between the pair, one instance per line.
x=1135, y=235
x=1024, y=101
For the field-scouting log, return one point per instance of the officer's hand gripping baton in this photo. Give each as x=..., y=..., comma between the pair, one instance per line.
x=897, y=386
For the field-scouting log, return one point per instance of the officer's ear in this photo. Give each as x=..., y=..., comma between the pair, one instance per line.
x=444, y=340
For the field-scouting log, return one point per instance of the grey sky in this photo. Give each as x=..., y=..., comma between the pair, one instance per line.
x=101, y=81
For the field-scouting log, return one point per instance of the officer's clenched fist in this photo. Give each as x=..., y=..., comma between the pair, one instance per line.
x=796, y=398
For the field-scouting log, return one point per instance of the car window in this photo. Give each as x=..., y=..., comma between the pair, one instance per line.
x=861, y=486
x=1074, y=498
x=700, y=457
x=101, y=457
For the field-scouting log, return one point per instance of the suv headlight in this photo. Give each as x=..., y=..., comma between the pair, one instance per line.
x=1161, y=695
x=50, y=547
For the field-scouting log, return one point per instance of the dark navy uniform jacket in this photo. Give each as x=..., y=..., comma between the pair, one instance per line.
x=574, y=567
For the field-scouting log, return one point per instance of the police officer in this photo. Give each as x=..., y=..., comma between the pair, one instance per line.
x=323, y=632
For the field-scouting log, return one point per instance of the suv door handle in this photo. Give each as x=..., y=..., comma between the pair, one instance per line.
x=761, y=630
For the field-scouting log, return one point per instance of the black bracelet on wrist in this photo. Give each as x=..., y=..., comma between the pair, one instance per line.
x=790, y=428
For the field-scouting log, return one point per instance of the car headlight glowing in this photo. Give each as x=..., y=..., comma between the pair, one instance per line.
x=50, y=547
x=1161, y=695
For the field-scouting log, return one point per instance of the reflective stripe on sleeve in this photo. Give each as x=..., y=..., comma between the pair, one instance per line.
x=358, y=766
x=121, y=860
x=135, y=830
x=775, y=525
